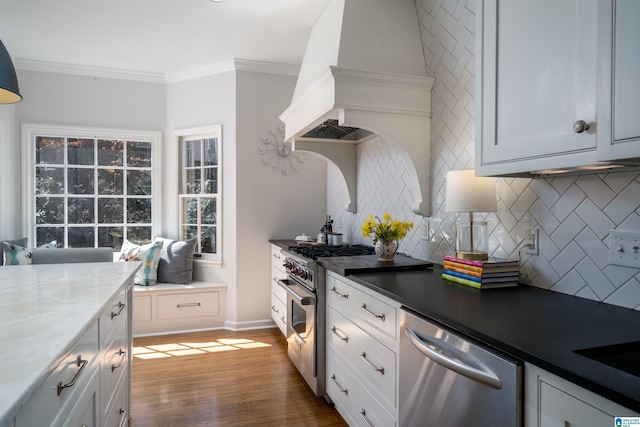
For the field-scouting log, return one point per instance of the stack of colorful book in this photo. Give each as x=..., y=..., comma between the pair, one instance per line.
x=493, y=273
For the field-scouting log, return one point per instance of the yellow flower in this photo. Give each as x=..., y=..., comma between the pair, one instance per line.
x=385, y=230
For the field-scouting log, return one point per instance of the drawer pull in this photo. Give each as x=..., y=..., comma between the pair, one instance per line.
x=378, y=316
x=344, y=338
x=121, y=411
x=283, y=320
x=189, y=304
x=277, y=256
x=81, y=364
x=273, y=307
x=298, y=343
x=344, y=390
x=120, y=306
x=371, y=365
x=345, y=296
x=119, y=353
x=363, y=414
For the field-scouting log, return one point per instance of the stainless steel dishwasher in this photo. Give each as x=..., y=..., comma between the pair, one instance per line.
x=448, y=381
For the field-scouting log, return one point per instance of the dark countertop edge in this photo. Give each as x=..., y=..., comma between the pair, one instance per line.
x=607, y=388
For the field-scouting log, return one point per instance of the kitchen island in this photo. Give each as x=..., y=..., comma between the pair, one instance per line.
x=45, y=310
x=540, y=327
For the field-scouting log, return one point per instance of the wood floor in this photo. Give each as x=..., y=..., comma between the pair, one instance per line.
x=222, y=378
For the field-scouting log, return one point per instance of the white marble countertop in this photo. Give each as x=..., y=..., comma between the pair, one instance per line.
x=44, y=309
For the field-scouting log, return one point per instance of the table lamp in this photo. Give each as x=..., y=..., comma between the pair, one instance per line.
x=466, y=192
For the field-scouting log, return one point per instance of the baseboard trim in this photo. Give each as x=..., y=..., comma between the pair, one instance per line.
x=248, y=325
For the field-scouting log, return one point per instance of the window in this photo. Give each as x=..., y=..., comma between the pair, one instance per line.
x=200, y=189
x=90, y=187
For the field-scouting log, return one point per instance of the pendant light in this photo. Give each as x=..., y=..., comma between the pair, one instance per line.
x=9, y=91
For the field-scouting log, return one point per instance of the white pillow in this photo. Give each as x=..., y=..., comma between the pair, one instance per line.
x=15, y=254
x=149, y=254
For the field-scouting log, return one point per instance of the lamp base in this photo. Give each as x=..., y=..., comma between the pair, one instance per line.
x=473, y=255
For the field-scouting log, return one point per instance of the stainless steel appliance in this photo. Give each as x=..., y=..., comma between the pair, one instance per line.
x=306, y=307
x=448, y=381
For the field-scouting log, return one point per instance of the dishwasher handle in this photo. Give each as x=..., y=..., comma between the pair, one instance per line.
x=483, y=377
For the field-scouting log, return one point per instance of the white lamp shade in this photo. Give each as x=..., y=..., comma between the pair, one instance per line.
x=466, y=192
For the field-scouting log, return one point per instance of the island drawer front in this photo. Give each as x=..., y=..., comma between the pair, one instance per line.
x=117, y=414
x=188, y=305
x=352, y=400
x=115, y=365
x=46, y=402
x=379, y=316
x=375, y=363
x=114, y=316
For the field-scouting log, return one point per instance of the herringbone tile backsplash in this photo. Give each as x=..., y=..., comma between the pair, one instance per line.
x=574, y=214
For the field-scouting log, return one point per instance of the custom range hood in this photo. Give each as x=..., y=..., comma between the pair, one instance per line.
x=363, y=75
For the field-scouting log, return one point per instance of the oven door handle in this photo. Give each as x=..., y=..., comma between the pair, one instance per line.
x=298, y=292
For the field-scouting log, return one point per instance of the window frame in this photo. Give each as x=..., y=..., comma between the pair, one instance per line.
x=29, y=132
x=204, y=132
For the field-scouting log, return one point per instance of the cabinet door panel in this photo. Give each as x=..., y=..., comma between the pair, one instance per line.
x=538, y=77
x=559, y=409
x=626, y=70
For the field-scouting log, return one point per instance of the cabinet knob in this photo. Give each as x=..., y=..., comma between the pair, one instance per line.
x=580, y=126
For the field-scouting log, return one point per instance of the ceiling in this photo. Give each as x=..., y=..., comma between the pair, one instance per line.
x=161, y=37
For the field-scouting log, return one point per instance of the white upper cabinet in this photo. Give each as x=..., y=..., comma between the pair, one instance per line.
x=538, y=85
x=619, y=55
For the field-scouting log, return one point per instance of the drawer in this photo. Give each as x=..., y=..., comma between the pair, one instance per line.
x=118, y=412
x=116, y=364
x=86, y=411
x=49, y=400
x=141, y=308
x=369, y=312
x=278, y=291
x=352, y=400
x=373, y=363
x=188, y=305
x=279, y=314
x=114, y=316
x=277, y=259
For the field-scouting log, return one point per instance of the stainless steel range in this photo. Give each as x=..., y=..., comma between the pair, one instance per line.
x=305, y=286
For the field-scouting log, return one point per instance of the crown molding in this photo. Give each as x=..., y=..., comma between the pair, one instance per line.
x=82, y=70
x=209, y=70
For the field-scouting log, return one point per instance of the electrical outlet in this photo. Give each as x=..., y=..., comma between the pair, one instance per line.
x=533, y=242
x=624, y=248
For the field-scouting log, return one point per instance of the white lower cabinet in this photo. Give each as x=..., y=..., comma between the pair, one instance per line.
x=92, y=380
x=169, y=308
x=362, y=353
x=86, y=411
x=278, y=293
x=56, y=400
x=551, y=401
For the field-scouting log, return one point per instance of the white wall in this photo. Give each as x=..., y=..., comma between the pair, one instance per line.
x=258, y=204
x=574, y=214
x=60, y=99
x=270, y=204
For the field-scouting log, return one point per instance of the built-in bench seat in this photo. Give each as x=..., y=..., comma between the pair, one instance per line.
x=171, y=308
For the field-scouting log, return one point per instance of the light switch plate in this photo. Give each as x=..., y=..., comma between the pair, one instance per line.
x=624, y=248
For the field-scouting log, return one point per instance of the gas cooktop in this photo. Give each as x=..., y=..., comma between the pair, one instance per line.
x=316, y=251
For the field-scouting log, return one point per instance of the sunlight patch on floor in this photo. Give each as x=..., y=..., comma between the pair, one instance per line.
x=195, y=348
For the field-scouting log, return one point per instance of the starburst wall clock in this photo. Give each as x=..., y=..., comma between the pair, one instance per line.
x=278, y=154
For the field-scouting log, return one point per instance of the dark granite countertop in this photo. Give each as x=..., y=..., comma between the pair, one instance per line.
x=535, y=325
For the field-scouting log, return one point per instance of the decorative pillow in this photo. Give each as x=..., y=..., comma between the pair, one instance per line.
x=176, y=260
x=19, y=255
x=20, y=242
x=149, y=254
